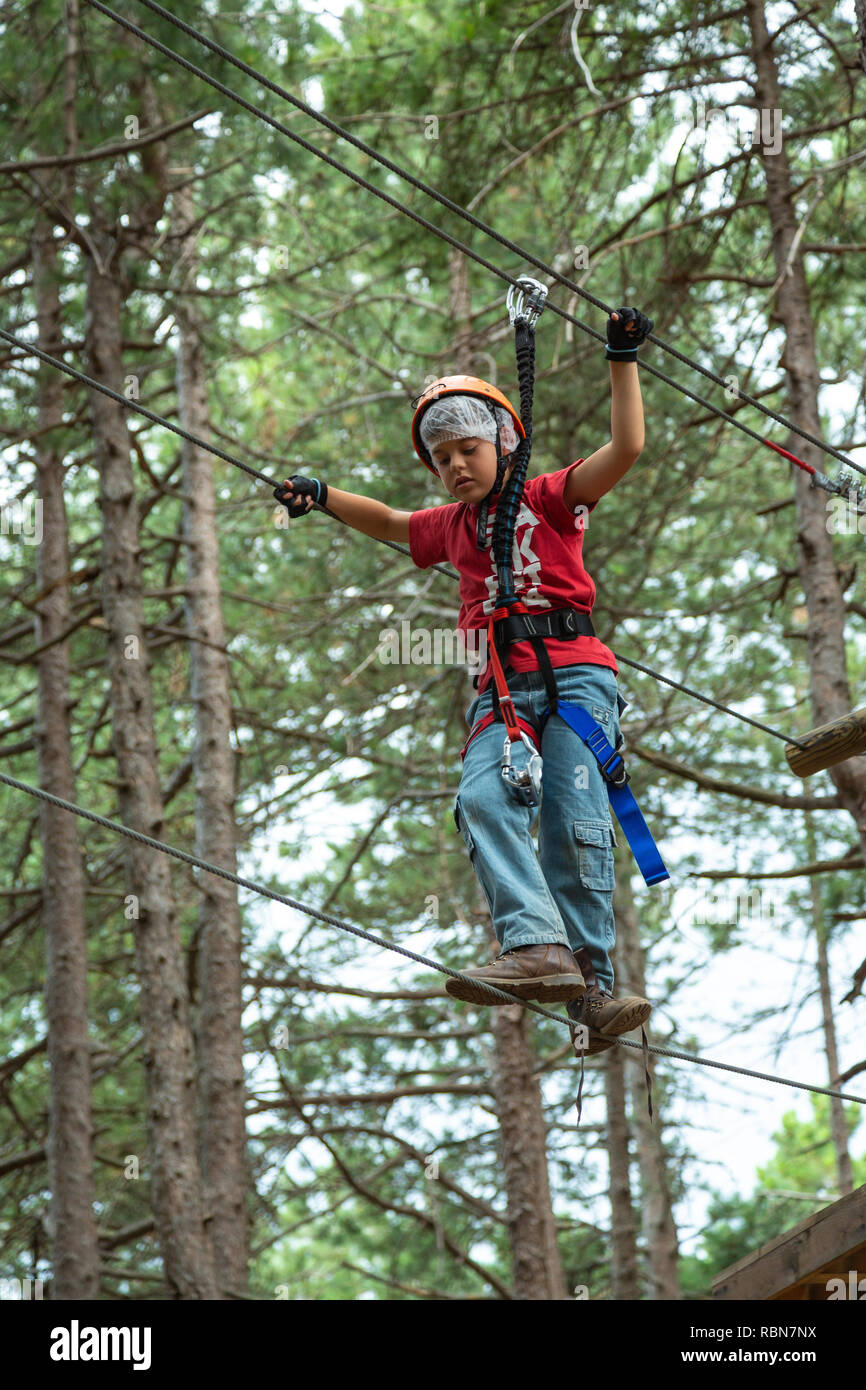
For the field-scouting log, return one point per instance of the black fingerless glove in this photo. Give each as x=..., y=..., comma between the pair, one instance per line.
x=295, y=502
x=622, y=346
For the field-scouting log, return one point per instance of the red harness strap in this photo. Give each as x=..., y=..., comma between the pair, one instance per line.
x=488, y=720
x=509, y=713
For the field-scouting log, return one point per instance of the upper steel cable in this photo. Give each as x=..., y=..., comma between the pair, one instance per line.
x=30, y=348
x=819, y=479
x=394, y=545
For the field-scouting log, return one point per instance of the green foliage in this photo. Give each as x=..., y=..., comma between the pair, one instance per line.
x=321, y=310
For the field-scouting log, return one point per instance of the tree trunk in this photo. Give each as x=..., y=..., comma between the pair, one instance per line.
x=837, y=1107
x=171, y=1089
x=220, y=1038
x=830, y=693
x=70, y=1127
x=537, y=1269
x=657, y=1218
x=623, y=1248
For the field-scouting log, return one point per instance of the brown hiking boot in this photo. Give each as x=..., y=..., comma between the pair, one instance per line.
x=606, y=1018
x=586, y=1042
x=547, y=972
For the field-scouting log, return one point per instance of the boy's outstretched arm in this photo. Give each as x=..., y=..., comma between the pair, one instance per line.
x=365, y=514
x=369, y=515
x=602, y=470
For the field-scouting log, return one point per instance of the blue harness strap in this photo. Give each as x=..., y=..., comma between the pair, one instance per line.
x=613, y=769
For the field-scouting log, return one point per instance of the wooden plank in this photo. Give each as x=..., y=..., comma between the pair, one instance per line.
x=851, y=1259
x=814, y=1285
x=829, y=1237
x=829, y=744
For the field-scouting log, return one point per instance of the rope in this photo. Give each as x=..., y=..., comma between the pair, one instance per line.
x=31, y=349
x=489, y=231
x=337, y=922
x=260, y=888
x=705, y=699
x=819, y=480
x=200, y=443
x=509, y=505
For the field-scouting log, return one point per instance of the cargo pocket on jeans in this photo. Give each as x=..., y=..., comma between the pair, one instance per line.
x=595, y=841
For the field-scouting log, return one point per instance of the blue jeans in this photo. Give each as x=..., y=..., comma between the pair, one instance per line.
x=563, y=892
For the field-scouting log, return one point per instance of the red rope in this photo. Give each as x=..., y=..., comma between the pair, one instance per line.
x=793, y=457
x=509, y=713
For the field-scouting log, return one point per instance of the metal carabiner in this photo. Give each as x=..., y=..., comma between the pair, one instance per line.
x=518, y=312
x=524, y=782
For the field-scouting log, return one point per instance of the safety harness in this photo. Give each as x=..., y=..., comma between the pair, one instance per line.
x=511, y=621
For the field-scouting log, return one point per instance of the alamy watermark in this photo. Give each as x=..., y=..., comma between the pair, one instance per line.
x=22, y=519
x=854, y=1288
x=441, y=646
x=20, y=1289
x=77, y=1343
x=722, y=908
x=757, y=127
x=846, y=515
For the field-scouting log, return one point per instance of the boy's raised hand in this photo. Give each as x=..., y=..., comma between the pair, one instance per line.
x=626, y=329
x=303, y=494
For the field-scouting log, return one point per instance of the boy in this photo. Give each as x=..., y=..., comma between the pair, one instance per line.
x=552, y=910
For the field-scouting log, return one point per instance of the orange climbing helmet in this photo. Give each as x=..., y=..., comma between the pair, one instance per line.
x=457, y=386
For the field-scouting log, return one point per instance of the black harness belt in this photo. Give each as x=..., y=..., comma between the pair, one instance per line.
x=562, y=623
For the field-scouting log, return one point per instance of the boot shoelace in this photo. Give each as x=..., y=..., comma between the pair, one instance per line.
x=594, y=1002
x=573, y=1027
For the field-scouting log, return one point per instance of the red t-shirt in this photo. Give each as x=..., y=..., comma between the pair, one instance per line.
x=548, y=566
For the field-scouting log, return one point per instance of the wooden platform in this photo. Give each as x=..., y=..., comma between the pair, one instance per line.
x=798, y=1265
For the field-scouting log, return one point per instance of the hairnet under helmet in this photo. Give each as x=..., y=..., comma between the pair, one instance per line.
x=466, y=417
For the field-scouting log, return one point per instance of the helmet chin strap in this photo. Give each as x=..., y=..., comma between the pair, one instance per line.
x=484, y=507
